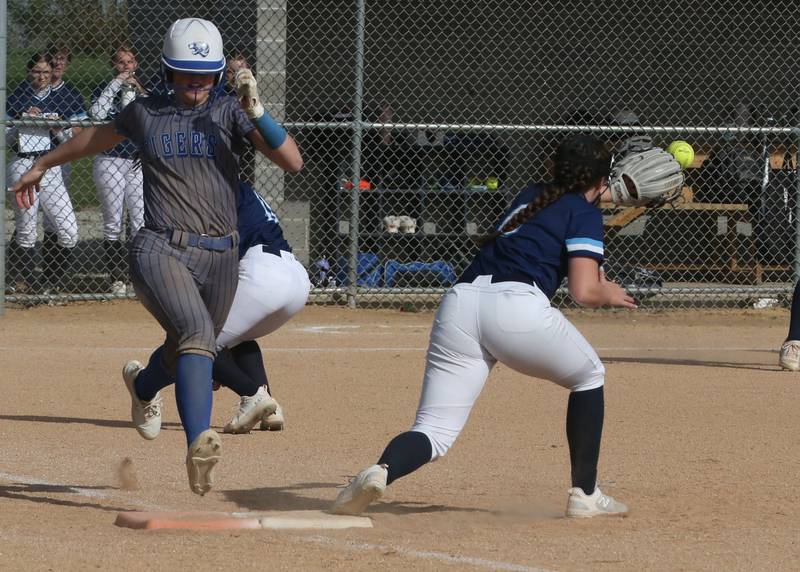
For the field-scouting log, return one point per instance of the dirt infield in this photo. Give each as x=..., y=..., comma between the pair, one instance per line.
x=701, y=440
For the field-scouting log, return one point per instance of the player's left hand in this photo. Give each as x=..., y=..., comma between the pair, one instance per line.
x=27, y=185
x=247, y=93
x=646, y=178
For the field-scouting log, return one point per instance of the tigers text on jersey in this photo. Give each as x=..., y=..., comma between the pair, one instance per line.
x=258, y=223
x=539, y=249
x=190, y=161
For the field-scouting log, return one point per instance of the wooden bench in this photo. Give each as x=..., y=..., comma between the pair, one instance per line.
x=741, y=250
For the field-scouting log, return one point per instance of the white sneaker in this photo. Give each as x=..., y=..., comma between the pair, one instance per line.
x=581, y=505
x=392, y=223
x=790, y=355
x=407, y=224
x=364, y=488
x=204, y=454
x=119, y=289
x=146, y=415
x=251, y=410
x=274, y=421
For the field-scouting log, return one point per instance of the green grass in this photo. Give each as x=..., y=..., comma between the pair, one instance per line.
x=85, y=72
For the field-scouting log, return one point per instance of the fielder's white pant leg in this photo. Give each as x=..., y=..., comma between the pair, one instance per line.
x=57, y=207
x=134, y=194
x=456, y=369
x=24, y=219
x=110, y=184
x=523, y=331
x=271, y=290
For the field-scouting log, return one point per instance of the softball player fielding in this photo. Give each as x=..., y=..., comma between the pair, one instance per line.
x=500, y=311
x=183, y=261
x=273, y=287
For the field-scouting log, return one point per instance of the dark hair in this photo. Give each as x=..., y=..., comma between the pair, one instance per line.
x=54, y=48
x=580, y=162
x=37, y=57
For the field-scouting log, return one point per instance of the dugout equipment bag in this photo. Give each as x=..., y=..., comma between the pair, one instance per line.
x=775, y=219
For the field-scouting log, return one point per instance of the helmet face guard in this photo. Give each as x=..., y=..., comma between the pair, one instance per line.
x=192, y=46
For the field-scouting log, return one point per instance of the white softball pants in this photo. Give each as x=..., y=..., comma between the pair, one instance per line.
x=119, y=182
x=481, y=323
x=271, y=290
x=54, y=201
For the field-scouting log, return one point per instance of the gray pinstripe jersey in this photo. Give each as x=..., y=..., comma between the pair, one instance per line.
x=190, y=161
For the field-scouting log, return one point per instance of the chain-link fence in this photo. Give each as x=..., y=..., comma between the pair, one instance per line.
x=418, y=122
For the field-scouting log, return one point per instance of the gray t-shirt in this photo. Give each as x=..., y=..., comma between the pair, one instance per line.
x=190, y=161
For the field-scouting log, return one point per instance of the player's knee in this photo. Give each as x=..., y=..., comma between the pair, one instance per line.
x=441, y=439
x=592, y=380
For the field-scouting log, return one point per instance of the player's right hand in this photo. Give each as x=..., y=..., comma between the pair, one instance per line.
x=27, y=185
x=617, y=296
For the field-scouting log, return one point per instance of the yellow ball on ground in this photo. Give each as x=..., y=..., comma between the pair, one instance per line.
x=682, y=152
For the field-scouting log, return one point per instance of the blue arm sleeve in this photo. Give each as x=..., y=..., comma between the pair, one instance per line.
x=273, y=133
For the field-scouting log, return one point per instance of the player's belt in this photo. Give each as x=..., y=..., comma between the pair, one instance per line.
x=183, y=239
x=508, y=277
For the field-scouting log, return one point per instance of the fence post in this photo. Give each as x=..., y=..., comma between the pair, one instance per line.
x=358, y=128
x=3, y=54
x=796, y=267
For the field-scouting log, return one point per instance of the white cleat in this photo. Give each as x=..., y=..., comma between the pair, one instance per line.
x=790, y=355
x=252, y=409
x=274, y=421
x=146, y=415
x=119, y=289
x=204, y=454
x=581, y=505
x=364, y=488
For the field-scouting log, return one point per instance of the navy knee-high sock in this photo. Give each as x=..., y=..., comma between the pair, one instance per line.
x=248, y=358
x=405, y=454
x=153, y=378
x=584, y=430
x=193, y=394
x=228, y=373
x=794, y=322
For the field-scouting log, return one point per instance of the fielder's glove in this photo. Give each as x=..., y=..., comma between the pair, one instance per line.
x=247, y=92
x=647, y=178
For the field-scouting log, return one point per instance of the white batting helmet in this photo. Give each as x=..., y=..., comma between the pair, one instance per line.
x=193, y=45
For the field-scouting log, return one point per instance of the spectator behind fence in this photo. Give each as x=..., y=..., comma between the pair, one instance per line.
x=71, y=106
x=69, y=99
x=117, y=173
x=34, y=98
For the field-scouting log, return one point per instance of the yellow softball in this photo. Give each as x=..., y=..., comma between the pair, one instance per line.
x=682, y=152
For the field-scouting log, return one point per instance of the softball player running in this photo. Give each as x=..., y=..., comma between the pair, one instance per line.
x=273, y=287
x=34, y=98
x=117, y=173
x=500, y=311
x=184, y=260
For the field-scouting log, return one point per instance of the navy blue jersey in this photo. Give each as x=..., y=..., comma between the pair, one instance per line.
x=540, y=248
x=69, y=101
x=24, y=97
x=110, y=110
x=258, y=223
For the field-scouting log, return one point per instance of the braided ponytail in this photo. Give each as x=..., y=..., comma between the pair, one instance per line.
x=579, y=162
